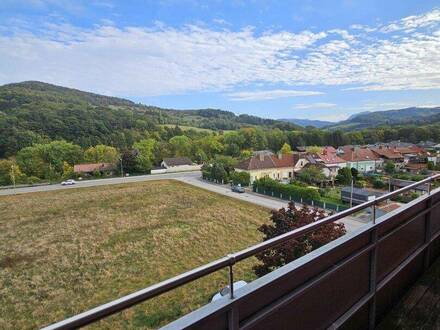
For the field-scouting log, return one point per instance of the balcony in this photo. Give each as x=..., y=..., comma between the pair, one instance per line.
x=352, y=282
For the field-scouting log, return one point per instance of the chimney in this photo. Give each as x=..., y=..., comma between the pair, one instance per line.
x=324, y=151
x=261, y=155
x=280, y=155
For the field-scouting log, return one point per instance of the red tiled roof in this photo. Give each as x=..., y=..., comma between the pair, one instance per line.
x=411, y=150
x=358, y=154
x=389, y=153
x=88, y=168
x=330, y=158
x=268, y=161
x=329, y=149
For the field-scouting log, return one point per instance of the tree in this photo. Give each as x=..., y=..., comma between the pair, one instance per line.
x=10, y=172
x=101, y=154
x=242, y=178
x=286, y=149
x=285, y=220
x=344, y=176
x=210, y=145
x=145, y=154
x=354, y=174
x=68, y=171
x=389, y=167
x=245, y=154
x=311, y=174
x=181, y=146
x=129, y=160
x=47, y=160
x=314, y=149
x=276, y=138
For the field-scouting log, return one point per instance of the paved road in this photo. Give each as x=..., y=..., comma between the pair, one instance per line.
x=100, y=182
x=193, y=178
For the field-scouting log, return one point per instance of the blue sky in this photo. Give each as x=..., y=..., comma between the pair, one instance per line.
x=280, y=59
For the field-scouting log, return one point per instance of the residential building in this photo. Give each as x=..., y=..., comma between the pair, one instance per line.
x=329, y=162
x=90, y=169
x=278, y=167
x=388, y=154
x=362, y=159
x=176, y=164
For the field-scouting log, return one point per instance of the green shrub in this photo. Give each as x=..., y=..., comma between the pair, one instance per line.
x=242, y=178
x=291, y=190
x=379, y=184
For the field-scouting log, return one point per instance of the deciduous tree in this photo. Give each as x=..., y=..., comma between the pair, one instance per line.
x=285, y=220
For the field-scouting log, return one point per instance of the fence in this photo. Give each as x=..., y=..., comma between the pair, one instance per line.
x=311, y=202
x=349, y=282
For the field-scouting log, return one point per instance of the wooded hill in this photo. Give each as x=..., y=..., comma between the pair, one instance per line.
x=36, y=112
x=407, y=116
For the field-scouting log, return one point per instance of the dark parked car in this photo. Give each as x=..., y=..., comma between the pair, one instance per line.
x=237, y=188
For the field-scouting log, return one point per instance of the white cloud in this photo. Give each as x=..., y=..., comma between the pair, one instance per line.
x=269, y=94
x=321, y=105
x=160, y=60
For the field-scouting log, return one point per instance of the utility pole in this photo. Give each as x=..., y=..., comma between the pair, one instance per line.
x=122, y=171
x=351, y=193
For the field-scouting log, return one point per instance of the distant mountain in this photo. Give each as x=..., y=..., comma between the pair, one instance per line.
x=405, y=116
x=33, y=112
x=308, y=122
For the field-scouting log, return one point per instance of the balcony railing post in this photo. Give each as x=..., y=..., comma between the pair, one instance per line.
x=374, y=213
x=373, y=267
x=427, y=256
x=231, y=276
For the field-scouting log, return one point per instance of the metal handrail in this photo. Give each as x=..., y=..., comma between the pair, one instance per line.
x=124, y=302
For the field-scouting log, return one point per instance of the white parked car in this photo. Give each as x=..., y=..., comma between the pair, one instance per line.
x=68, y=182
x=225, y=290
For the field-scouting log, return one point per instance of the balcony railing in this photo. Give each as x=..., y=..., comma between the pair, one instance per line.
x=367, y=257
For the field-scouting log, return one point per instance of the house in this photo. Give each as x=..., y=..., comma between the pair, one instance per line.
x=359, y=195
x=388, y=154
x=328, y=160
x=94, y=168
x=415, y=168
x=177, y=161
x=362, y=159
x=277, y=167
x=176, y=164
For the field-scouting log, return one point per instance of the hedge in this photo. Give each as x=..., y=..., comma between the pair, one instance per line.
x=294, y=191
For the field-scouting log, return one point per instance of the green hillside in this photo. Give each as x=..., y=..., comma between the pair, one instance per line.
x=36, y=112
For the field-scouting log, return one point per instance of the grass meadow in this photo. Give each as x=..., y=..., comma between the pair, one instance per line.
x=67, y=251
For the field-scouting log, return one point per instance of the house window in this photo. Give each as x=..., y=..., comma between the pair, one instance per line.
x=290, y=174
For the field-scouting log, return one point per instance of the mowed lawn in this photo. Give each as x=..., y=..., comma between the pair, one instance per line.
x=67, y=251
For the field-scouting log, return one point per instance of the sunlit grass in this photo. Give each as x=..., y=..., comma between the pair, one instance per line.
x=67, y=251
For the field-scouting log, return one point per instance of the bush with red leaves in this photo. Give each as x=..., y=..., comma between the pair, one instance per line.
x=285, y=220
